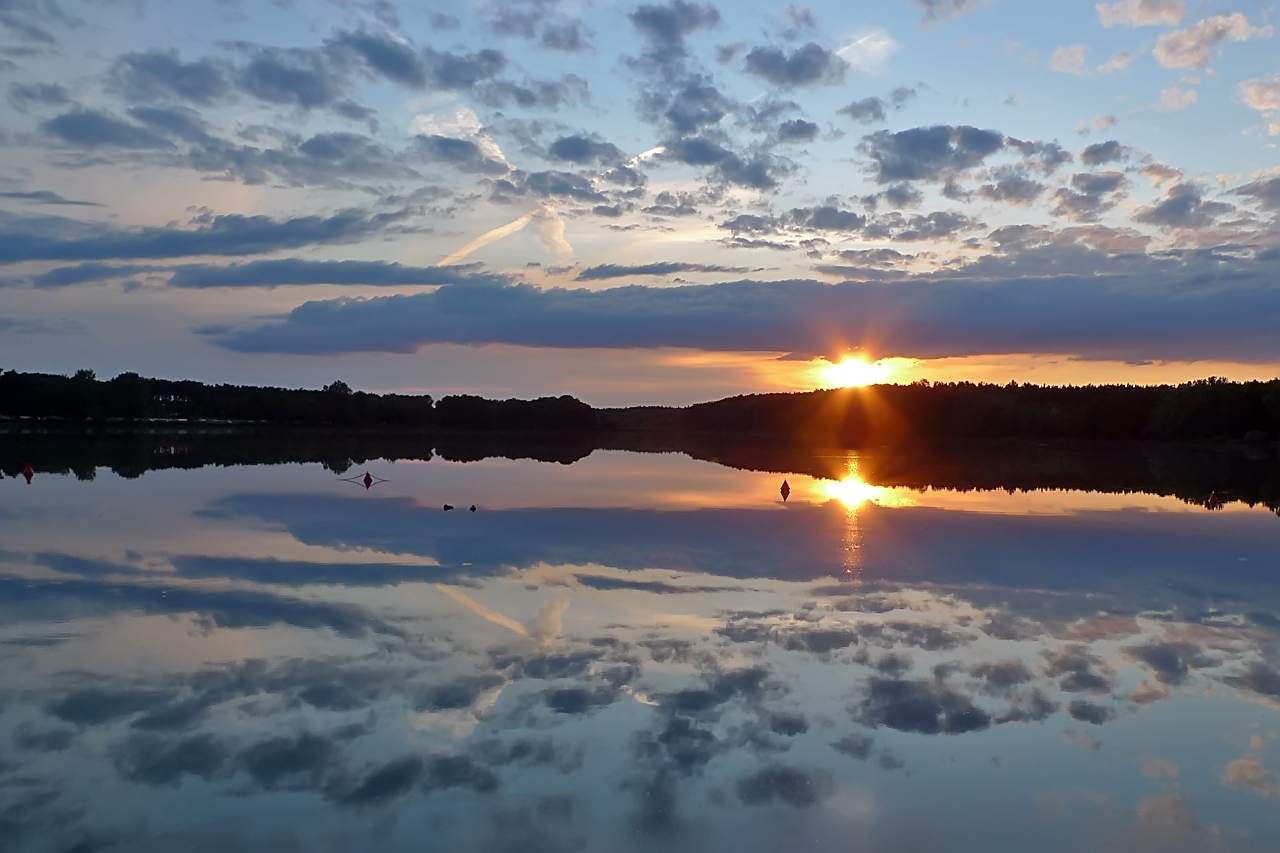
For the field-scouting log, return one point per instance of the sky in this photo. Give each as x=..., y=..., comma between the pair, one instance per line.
x=639, y=202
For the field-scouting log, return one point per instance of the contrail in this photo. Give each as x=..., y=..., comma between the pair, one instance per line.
x=482, y=611
x=489, y=237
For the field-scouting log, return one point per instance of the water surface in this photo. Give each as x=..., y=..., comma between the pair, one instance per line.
x=631, y=652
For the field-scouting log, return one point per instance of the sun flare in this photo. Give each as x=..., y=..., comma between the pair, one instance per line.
x=854, y=372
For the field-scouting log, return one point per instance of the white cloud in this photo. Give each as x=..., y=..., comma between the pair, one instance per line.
x=1142, y=13
x=1173, y=99
x=1117, y=63
x=1193, y=47
x=1263, y=95
x=461, y=122
x=1104, y=122
x=1069, y=59
x=869, y=50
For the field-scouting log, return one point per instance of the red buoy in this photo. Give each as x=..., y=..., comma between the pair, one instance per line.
x=28, y=472
x=785, y=490
x=368, y=480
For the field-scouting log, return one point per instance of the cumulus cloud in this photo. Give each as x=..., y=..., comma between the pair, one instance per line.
x=866, y=111
x=1173, y=99
x=1142, y=13
x=1193, y=47
x=1263, y=95
x=1104, y=152
x=809, y=65
x=1069, y=59
x=1182, y=206
x=162, y=75
x=929, y=153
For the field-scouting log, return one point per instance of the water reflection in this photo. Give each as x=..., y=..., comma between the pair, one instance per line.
x=631, y=652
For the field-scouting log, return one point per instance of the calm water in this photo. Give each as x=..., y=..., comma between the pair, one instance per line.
x=630, y=652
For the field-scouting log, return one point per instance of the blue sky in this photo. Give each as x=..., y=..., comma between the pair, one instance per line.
x=638, y=202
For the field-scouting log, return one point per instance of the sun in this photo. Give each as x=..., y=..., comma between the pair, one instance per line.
x=854, y=372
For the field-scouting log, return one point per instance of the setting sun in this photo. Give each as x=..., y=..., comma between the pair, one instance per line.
x=853, y=372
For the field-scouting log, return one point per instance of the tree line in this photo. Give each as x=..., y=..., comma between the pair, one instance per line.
x=1206, y=409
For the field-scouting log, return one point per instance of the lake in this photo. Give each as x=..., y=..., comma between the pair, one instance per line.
x=629, y=650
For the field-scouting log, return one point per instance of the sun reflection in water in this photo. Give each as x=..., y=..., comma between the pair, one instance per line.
x=853, y=493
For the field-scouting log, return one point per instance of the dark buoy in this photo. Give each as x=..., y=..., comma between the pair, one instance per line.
x=28, y=472
x=448, y=507
x=1214, y=501
x=785, y=491
x=473, y=507
x=368, y=480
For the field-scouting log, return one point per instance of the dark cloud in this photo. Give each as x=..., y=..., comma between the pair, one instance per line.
x=461, y=154
x=1090, y=195
x=866, y=111
x=578, y=700
x=389, y=782
x=96, y=706
x=32, y=739
x=1182, y=206
x=694, y=104
x=567, y=36
x=900, y=195
x=1012, y=189
x=806, y=66
x=747, y=223
x=797, y=130
x=1258, y=678
x=93, y=129
x=584, y=149
x=758, y=171
x=47, y=197
x=55, y=239
x=817, y=640
x=397, y=61
x=161, y=74
x=158, y=760
x=459, y=693
x=26, y=95
x=1002, y=675
x=1045, y=156
x=535, y=94
x=901, y=95
x=855, y=746
x=294, y=271
x=797, y=788
x=297, y=762
x=1264, y=192
x=563, y=184
x=929, y=153
x=291, y=77
x=1103, y=152
x=1221, y=309
x=441, y=21
x=682, y=746
x=788, y=725
x=608, y=271
x=1078, y=668
x=920, y=706
x=1089, y=712
x=668, y=25
x=827, y=218
x=938, y=225
x=1171, y=662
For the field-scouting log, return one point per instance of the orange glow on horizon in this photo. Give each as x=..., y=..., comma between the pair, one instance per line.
x=854, y=372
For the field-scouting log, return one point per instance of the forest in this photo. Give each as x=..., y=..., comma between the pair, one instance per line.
x=1204, y=410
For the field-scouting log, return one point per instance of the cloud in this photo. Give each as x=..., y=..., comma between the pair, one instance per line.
x=1202, y=307
x=1069, y=59
x=1263, y=95
x=607, y=271
x=797, y=788
x=464, y=154
x=806, y=66
x=1012, y=189
x=1117, y=62
x=866, y=111
x=56, y=239
x=827, y=218
x=161, y=75
x=1174, y=98
x=1182, y=206
x=156, y=760
x=93, y=129
x=583, y=150
x=868, y=51
x=1193, y=47
x=942, y=10
x=294, y=271
x=1265, y=192
x=1103, y=152
x=1142, y=13
x=26, y=95
x=1171, y=661
x=47, y=197
x=921, y=707
x=1090, y=195
x=797, y=130
x=1089, y=712
x=668, y=25
x=929, y=153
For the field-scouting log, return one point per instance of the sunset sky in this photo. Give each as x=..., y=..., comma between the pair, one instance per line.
x=639, y=203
